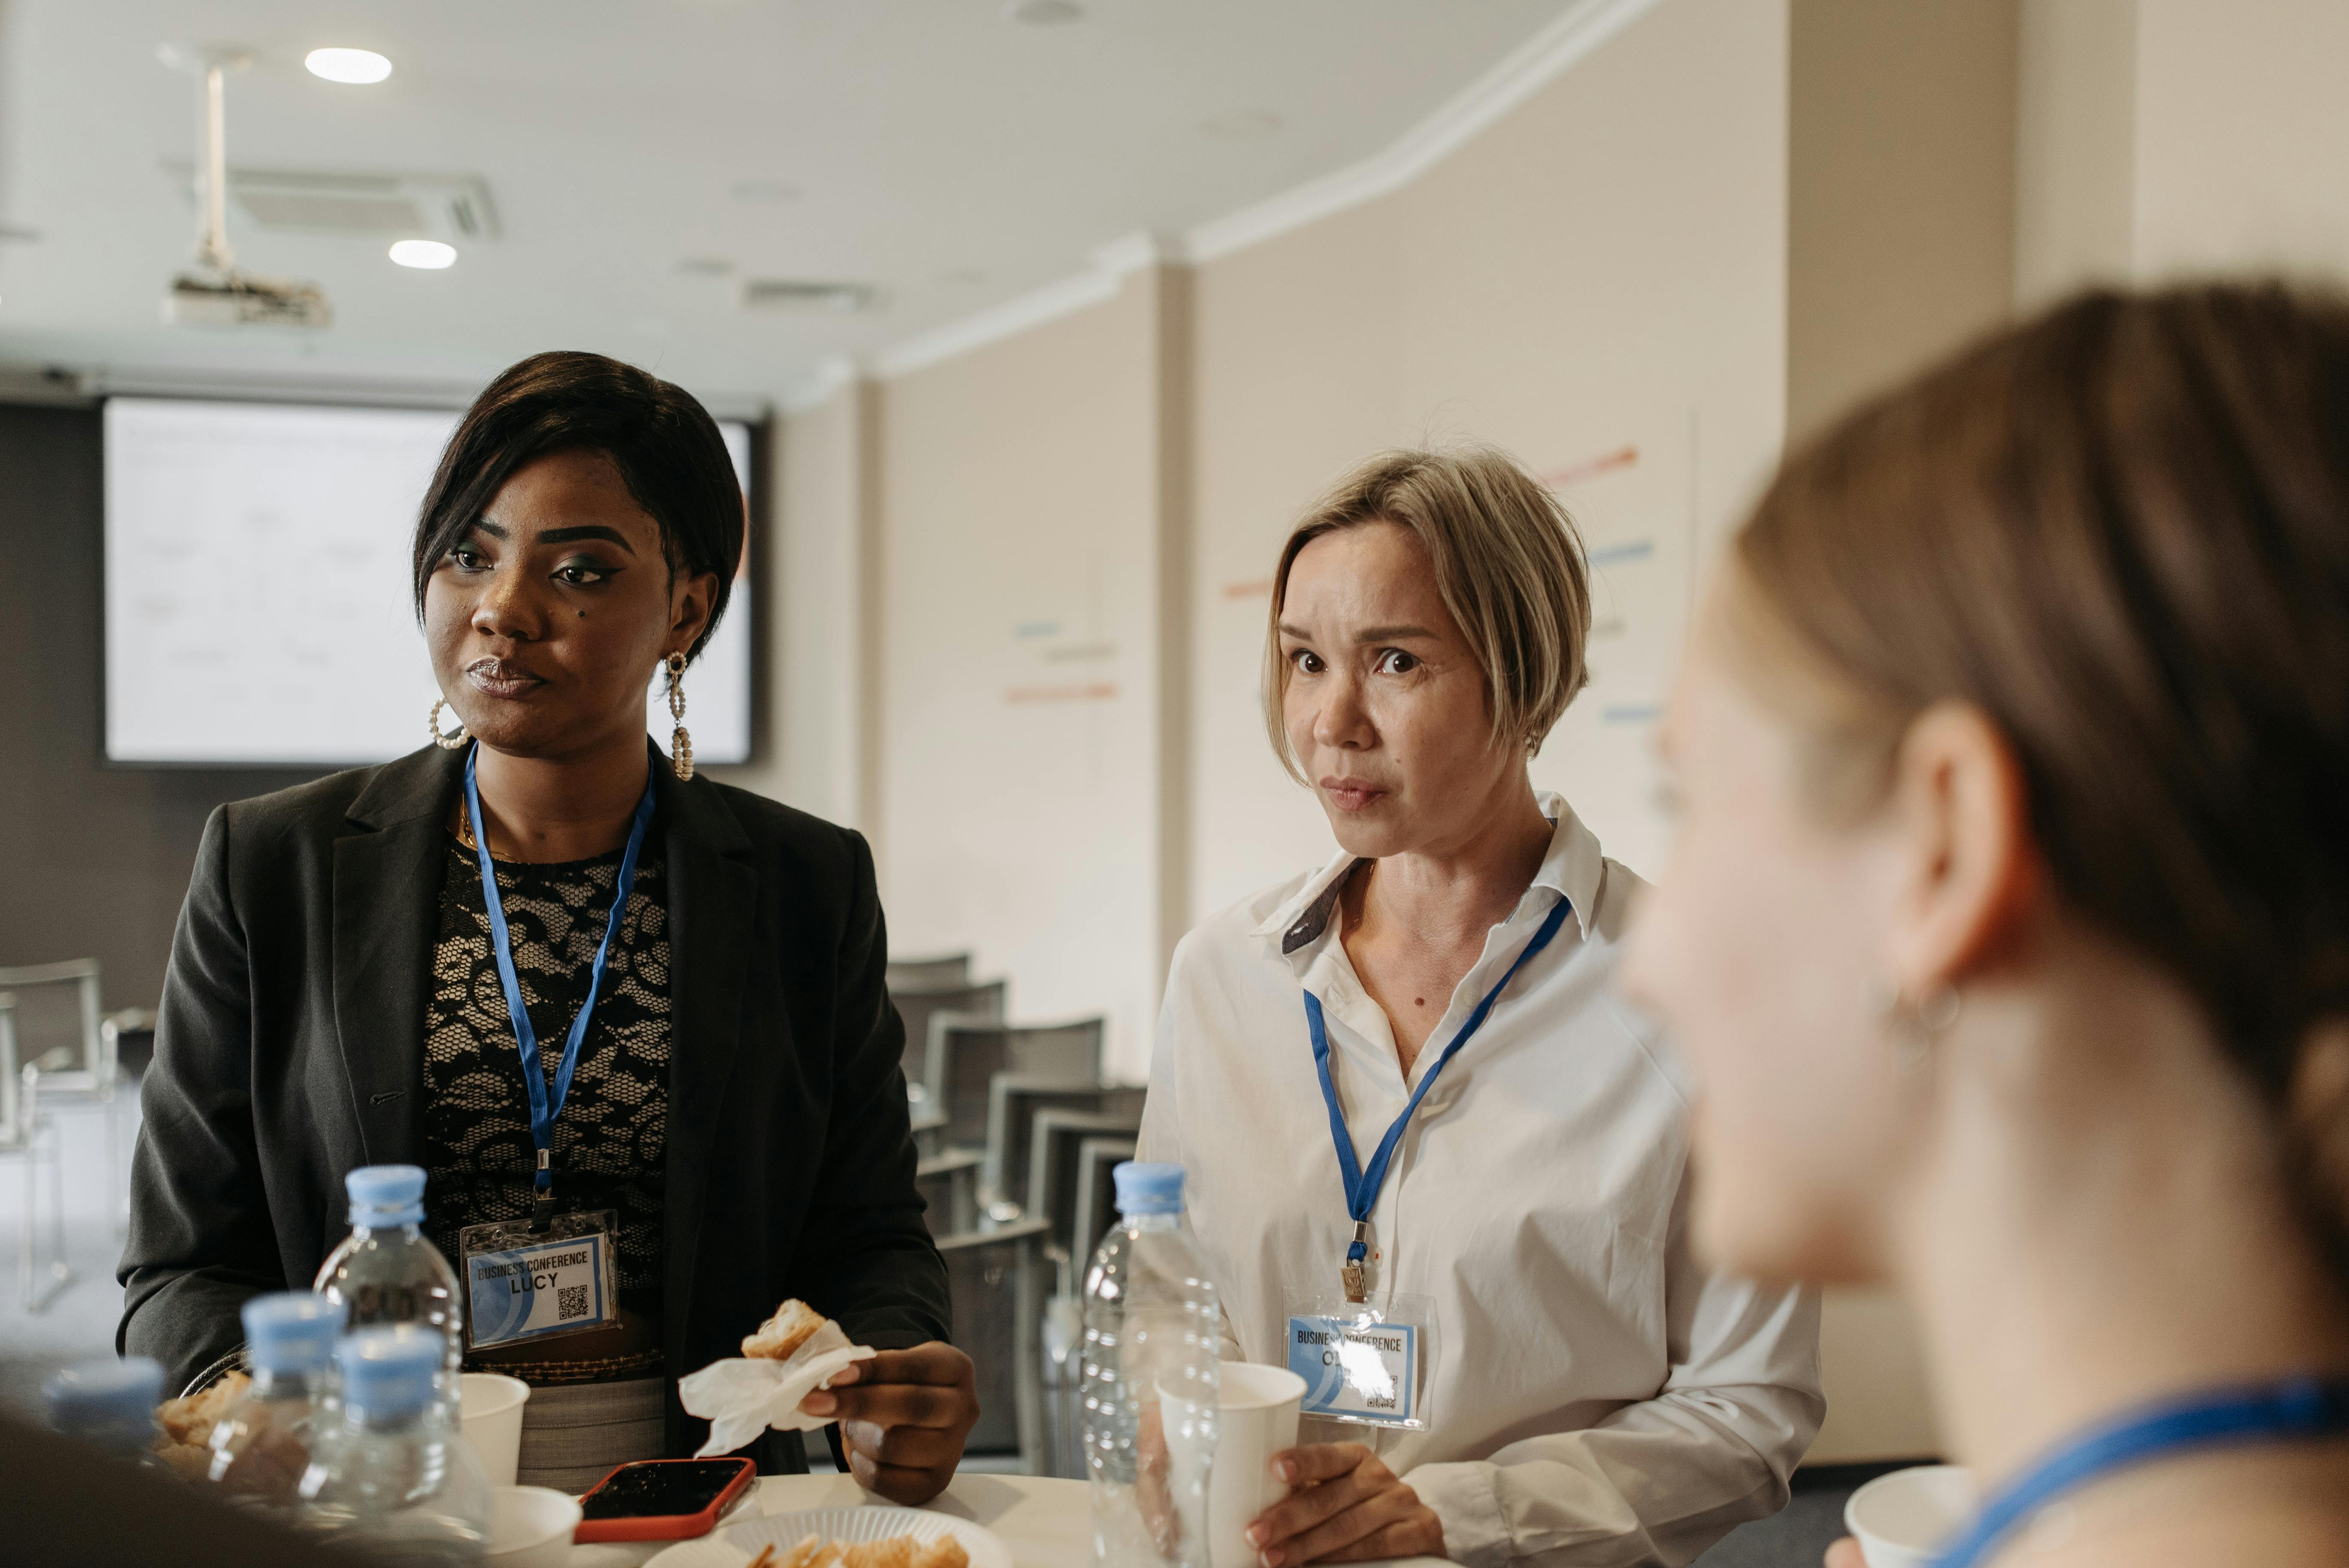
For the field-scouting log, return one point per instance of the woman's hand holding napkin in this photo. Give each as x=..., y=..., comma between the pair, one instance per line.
x=741, y=1397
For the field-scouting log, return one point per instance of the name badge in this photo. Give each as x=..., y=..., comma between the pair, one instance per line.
x=524, y=1285
x=1357, y=1371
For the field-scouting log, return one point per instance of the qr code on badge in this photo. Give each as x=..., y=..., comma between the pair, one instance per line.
x=569, y=1302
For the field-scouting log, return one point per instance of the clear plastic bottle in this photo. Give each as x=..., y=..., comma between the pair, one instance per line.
x=385, y=1271
x=1152, y=1338
x=109, y=1405
x=385, y=1475
x=261, y=1445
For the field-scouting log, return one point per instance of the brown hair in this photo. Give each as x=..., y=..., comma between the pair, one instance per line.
x=2121, y=531
x=1508, y=566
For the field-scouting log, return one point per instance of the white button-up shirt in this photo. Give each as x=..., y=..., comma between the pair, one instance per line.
x=1596, y=1396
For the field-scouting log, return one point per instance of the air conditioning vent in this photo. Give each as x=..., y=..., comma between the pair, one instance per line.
x=794, y=294
x=452, y=208
x=331, y=214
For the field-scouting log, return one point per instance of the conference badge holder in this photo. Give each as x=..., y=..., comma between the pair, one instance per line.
x=524, y=1280
x=1366, y=1362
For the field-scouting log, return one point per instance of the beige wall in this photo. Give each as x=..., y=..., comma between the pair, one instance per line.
x=2160, y=138
x=2242, y=123
x=1900, y=229
x=1019, y=687
x=2076, y=147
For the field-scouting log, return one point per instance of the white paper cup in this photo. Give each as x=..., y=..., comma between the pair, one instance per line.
x=490, y=1415
x=1256, y=1419
x=531, y=1526
x=1903, y=1519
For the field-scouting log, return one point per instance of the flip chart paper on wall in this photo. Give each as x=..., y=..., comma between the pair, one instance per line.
x=257, y=598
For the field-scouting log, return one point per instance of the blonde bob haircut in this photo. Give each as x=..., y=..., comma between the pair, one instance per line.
x=1508, y=566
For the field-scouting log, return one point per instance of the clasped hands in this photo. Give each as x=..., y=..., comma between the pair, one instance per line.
x=904, y=1416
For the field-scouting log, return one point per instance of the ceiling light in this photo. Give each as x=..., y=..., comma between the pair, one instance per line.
x=1044, y=13
x=430, y=255
x=356, y=67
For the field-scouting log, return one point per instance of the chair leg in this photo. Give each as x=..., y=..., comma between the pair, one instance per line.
x=39, y=1294
x=118, y=1202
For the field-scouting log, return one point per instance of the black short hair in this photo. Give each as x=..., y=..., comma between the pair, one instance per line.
x=662, y=441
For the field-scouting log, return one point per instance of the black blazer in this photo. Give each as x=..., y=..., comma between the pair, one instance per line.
x=289, y=1049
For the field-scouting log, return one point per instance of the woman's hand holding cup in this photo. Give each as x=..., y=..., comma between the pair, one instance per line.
x=1344, y=1506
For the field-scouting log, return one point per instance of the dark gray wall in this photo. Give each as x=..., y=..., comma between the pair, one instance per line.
x=94, y=860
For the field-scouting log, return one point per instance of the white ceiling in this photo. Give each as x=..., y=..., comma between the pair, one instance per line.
x=938, y=149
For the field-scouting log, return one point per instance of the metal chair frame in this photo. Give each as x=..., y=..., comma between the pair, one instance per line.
x=1096, y=1192
x=1014, y=1100
x=959, y=1168
x=20, y=1128
x=920, y=1010
x=966, y=1054
x=946, y=971
x=1026, y=1241
x=97, y=1077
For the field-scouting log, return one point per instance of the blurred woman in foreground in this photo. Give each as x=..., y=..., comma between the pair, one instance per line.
x=2009, y=921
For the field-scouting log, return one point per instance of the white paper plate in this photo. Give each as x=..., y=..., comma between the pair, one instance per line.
x=732, y=1545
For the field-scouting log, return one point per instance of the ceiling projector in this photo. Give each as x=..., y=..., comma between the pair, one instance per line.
x=231, y=298
x=215, y=293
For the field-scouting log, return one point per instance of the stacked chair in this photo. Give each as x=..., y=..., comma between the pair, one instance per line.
x=58, y=1051
x=1018, y=1134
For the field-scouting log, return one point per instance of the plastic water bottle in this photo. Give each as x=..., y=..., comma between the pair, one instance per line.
x=386, y=1475
x=261, y=1445
x=109, y=1405
x=385, y=1271
x=1152, y=1335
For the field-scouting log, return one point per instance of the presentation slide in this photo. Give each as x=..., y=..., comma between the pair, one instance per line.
x=257, y=602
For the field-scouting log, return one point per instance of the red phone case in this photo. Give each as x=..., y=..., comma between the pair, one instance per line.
x=664, y=1526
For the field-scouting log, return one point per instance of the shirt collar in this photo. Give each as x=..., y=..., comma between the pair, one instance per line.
x=1573, y=870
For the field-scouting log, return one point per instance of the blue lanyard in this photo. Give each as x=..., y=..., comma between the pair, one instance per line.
x=1363, y=1183
x=2298, y=1409
x=544, y=1108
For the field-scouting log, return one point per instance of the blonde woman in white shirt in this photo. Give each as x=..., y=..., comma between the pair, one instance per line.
x=1579, y=1389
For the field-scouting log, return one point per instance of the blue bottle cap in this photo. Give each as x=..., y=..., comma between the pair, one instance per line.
x=387, y=1371
x=1145, y=1187
x=383, y=1196
x=105, y=1396
x=291, y=1331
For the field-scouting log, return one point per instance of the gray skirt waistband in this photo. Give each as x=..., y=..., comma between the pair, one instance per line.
x=573, y=1435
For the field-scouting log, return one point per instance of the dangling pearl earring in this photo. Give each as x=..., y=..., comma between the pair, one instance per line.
x=680, y=743
x=445, y=741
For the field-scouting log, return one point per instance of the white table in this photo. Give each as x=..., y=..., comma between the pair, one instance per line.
x=1046, y=1523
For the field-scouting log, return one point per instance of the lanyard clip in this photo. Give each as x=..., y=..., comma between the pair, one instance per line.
x=1353, y=1274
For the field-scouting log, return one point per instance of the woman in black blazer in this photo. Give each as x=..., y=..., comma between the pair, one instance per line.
x=335, y=997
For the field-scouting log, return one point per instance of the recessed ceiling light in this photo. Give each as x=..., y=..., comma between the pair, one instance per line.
x=763, y=191
x=358, y=68
x=1044, y=13
x=430, y=255
x=1241, y=124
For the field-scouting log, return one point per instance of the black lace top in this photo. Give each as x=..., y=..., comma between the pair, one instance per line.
x=612, y=1139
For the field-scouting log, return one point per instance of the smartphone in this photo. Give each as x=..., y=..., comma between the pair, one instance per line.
x=662, y=1499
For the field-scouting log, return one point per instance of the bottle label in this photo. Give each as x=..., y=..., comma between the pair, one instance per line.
x=523, y=1283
